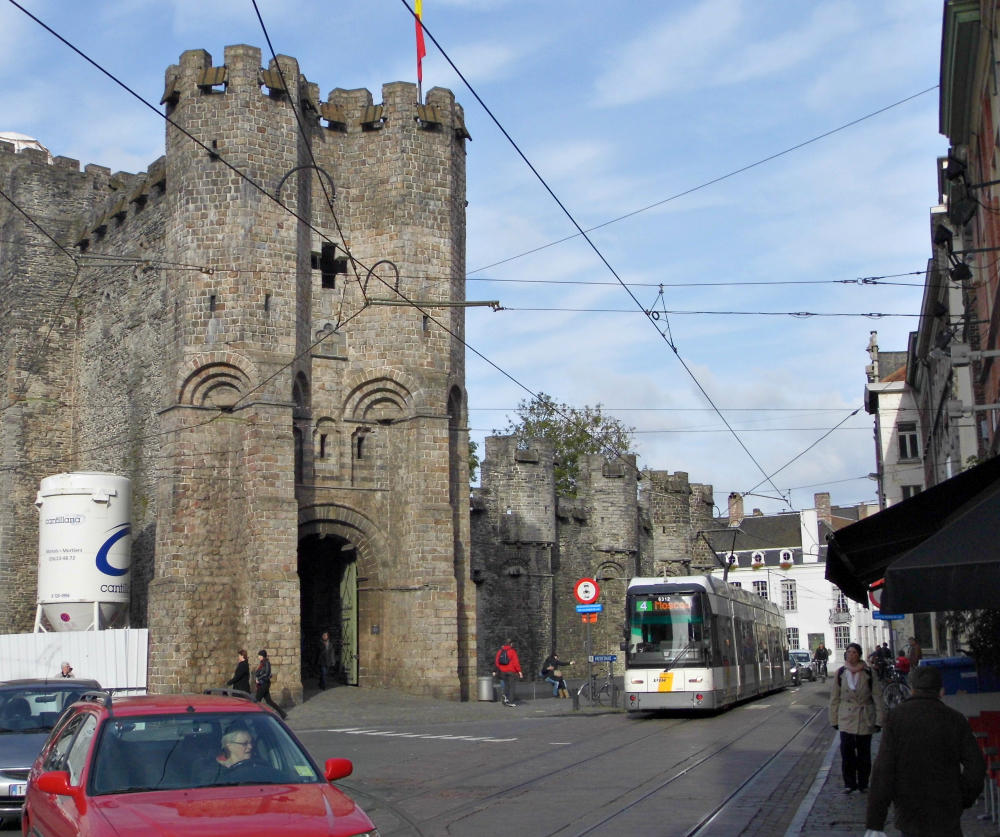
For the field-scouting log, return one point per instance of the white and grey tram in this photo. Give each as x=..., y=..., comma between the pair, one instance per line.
x=698, y=642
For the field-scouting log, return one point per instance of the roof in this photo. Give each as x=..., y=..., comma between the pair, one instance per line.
x=51, y=683
x=757, y=532
x=172, y=704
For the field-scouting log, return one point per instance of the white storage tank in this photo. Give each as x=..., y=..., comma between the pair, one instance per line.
x=84, y=551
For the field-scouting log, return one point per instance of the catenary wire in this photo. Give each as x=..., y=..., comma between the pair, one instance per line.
x=580, y=230
x=701, y=186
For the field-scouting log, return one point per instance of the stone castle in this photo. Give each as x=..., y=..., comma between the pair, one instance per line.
x=231, y=329
x=530, y=546
x=264, y=331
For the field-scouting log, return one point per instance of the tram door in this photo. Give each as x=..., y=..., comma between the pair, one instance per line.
x=349, y=622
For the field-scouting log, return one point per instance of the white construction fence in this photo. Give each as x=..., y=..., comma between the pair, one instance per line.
x=114, y=658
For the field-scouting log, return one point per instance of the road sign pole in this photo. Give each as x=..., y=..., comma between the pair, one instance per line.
x=590, y=663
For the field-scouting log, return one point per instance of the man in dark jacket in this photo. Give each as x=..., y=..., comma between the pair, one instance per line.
x=928, y=765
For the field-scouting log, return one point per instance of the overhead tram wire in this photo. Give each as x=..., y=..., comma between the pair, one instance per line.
x=871, y=315
x=804, y=452
x=305, y=139
x=574, y=222
x=693, y=189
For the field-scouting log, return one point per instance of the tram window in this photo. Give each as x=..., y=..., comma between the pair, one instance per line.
x=669, y=629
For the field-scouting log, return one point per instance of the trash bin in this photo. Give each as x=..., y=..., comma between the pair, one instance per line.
x=958, y=674
x=486, y=688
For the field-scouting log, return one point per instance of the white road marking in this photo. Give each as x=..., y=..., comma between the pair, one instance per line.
x=428, y=736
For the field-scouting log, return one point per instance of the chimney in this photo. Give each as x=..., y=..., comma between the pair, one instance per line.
x=735, y=508
x=822, y=501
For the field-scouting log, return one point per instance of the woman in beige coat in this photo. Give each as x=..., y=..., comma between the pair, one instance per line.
x=856, y=709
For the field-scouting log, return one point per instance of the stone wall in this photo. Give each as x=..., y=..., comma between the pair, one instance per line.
x=530, y=547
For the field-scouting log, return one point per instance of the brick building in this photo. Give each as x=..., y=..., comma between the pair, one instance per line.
x=231, y=329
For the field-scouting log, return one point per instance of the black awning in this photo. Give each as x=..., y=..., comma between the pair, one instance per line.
x=936, y=521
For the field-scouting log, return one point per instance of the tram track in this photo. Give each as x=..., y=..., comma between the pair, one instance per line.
x=540, y=771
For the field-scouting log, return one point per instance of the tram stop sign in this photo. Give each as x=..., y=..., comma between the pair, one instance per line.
x=586, y=591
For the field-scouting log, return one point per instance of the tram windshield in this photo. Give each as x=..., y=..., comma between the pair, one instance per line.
x=667, y=630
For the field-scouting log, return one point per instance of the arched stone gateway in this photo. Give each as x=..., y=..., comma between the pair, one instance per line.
x=337, y=555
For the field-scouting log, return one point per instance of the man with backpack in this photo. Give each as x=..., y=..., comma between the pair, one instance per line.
x=506, y=665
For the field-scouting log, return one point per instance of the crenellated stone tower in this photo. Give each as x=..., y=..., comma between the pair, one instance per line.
x=530, y=546
x=282, y=376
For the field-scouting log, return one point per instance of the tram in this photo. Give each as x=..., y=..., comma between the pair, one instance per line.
x=698, y=642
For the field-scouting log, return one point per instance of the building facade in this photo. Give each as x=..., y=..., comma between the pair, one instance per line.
x=264, y=331
x=782, y=558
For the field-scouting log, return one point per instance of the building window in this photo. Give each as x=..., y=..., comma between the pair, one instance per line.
x=737, y=584
x=841, y=606
x=792, y=635
x=910, y=491
x=760, y=588
x=841, y=636
x=789, y=598
x=907, y=432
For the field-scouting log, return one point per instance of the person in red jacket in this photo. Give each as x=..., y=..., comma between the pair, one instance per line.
x=506, y=665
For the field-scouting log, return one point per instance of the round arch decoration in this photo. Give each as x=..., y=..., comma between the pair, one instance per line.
x=218, y=379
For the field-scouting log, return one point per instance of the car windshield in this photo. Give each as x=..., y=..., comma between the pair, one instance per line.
x=33, y=708
x=800, y=656
x=191, y=751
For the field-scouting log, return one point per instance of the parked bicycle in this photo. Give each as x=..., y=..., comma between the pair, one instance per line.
x=895, y=690
x=597, y=690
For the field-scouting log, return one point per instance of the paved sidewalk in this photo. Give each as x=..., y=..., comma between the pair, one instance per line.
x=827, y=810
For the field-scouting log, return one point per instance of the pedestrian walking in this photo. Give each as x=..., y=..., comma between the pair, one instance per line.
x=65, y=670
x=241, y=676
x=262, y=677
x=326, y=659
x=928, y=767
x=507, y=666
x=856, y=710
x=914, y=653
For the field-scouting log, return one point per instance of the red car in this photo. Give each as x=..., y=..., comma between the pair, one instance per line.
x=210, y=765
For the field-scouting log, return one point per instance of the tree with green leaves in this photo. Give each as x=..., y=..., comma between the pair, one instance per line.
x=573, y=433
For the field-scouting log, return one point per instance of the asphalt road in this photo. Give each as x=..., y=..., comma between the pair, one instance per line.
x=542, y=769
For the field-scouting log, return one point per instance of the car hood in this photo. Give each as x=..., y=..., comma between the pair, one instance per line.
x=302, y=810
x=20, y=749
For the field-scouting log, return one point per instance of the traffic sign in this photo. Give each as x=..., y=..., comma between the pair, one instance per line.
x=588, y=617
x=586, y=591
x=603, y=658
x=888, y=617
x=589, y=608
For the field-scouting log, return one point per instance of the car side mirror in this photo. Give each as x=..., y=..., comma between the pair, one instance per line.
x=338, y=769
x=55, y=781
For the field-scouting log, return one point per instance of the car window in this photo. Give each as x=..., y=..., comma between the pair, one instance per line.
x=56, y=757
x=77, y=755
x=185, y=751
x=33, y=708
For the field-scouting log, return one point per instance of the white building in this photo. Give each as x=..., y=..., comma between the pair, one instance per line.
x=782, y=557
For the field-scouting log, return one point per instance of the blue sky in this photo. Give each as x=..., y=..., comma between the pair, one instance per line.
x=618, y=107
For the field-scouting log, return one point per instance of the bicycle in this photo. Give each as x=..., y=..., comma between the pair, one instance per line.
x=596, y=694
x=896, y=690
x=819, y=669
